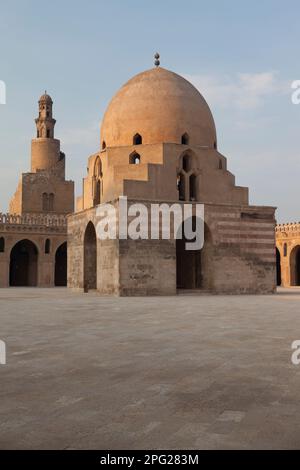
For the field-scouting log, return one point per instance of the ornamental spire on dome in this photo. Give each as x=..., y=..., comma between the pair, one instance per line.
x=157, y=61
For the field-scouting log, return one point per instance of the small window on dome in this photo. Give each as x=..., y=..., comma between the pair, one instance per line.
x=185, y=139
x=134, y=159
x=215, y=145
x=103, y=145
x=220, y=164
x=137, y=139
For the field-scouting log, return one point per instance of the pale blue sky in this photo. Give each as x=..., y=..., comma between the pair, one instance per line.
x=241, y=55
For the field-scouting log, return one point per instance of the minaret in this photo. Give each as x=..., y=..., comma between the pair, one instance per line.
x=45, y=149
x=45, y=122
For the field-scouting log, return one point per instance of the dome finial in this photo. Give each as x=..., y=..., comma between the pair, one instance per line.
x=157, y=61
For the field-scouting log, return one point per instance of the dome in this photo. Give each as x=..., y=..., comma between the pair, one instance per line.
x=160, y=106
x=45, y=98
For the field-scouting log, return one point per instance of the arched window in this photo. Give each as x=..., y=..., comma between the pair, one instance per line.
x=51, y=202
x=47, y=246
x=103, y=145
x=215, y=144
x=48, y=133
x=134, y=158
x=193, y=188
x=97, y=195
x=137, y=139
x=38, y=134
x=185, y=139
x=186, y=163
x=220, y=164
x=285, y=249
x=2, y=245
x=98, y=168
x=181, y=187
x=45, y=204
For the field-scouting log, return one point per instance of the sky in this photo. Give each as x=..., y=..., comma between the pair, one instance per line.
x=242, y=56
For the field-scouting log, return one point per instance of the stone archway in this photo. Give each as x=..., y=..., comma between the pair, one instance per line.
x=295, y=266
x=90, y=257
x=188, y=263
x=60, y=275
x=278, y=268
x=23, y=268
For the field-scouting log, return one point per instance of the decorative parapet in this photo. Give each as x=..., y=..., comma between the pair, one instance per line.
x=38, y=220
x=289, y=229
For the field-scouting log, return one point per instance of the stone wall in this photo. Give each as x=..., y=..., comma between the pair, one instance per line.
x=238, y=255
x=107, y=265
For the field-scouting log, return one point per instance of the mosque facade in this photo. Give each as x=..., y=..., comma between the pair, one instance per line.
x=158, y=145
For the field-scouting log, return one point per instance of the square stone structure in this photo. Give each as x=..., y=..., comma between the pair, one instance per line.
x=158, y=145
x=33, y=235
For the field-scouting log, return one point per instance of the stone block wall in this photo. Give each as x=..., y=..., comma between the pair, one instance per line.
x=238, y=255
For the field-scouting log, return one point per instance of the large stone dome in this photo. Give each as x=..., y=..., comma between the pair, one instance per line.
x=161, y=106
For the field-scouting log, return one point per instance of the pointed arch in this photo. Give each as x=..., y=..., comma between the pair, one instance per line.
x=295, y=266
x=98, y=167
x=97, y=193
x=181, y=186
x=187, y=161
x=47, y=246
x=60, y=274
x=137, y=139
x=90, y=257
x=134, y=158
x=97, y=183
x=193, y=266
x=23, y=268
x=185, y=140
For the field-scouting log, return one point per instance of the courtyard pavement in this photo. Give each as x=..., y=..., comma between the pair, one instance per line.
x=91, y=372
